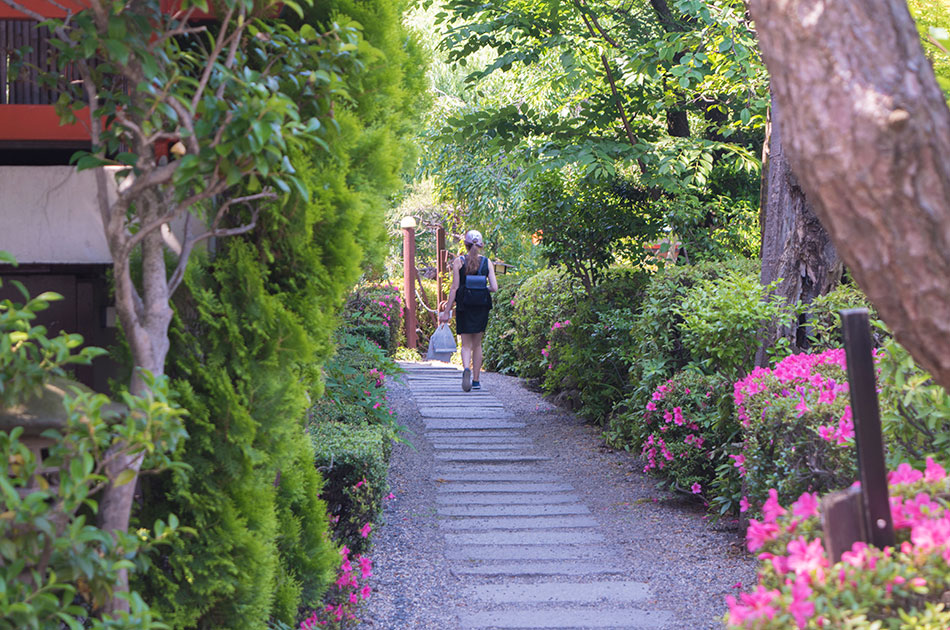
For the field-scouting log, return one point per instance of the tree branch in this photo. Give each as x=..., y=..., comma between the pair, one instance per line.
x=189, y=244
x=209, y=68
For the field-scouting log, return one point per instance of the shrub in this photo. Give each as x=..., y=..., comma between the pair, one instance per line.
x=374, y=310
x=797, y=433
x=544, y=298
x=655, y=350
x=57, y=568
x=683, y=431
x=915, y=411
x=822, y=320
x=498, y=345
x=353, y=459
x=899, y=587
x=588, y=355
x=242, y=361
x=355, y=380
x=723, y=318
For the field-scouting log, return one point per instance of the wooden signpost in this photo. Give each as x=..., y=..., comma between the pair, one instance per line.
x=864, y=513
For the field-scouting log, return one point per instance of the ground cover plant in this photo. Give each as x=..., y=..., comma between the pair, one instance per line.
x=900, y=588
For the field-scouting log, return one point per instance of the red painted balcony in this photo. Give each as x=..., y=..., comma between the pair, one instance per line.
x=58, y=9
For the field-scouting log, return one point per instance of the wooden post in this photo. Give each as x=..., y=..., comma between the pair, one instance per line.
x=867, y=427
x=408, y=277
x=440, y=260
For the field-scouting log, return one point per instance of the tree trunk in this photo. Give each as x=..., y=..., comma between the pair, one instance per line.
x=795, y=246
x=145, y=325
x=868, y=135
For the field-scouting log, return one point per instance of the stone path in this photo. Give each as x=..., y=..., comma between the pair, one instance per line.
x=526, y=550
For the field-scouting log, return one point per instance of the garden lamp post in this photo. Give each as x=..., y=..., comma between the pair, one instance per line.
x=408, y=225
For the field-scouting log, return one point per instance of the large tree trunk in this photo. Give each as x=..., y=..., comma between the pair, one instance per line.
x=795, y=246
x=868, y=135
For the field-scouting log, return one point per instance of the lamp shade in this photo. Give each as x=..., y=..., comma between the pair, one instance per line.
x=407, y=223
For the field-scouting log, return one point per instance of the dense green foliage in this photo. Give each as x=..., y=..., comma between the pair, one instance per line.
x=589, y=352
x=667, y=97
x=250, y=340
x=235, y=360
x=57, y=568
x=585, y=225
x=722, y=320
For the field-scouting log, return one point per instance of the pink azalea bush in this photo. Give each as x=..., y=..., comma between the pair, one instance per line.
x=683, y=428
x=346, y=595
x=796, y=430
x=898, y=587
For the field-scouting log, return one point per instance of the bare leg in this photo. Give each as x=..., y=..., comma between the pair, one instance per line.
x=467, y=341
x=476, y=354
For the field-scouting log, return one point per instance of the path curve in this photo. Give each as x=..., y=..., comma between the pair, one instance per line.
x=509, y=514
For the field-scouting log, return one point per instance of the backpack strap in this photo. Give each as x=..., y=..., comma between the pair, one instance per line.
x=483, y=263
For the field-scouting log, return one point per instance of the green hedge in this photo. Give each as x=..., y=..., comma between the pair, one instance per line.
x=354, y=460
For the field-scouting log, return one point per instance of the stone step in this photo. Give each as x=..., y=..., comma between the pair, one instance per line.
x=467, y=418
x=470, y=423
x=481, y=553
x=504, y=486
x=499, y=457
x=463, y=446
x=494, y=476
x=530, y=569
x=512, y=510
x=563, y=618
x=464, y=498
x=519, y=537
x=519, y=522
x=480, y=440
x=448, y=468
x=495, y=435
x=556, y=592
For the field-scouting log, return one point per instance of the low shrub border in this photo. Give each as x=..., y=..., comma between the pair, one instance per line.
x=902, y=587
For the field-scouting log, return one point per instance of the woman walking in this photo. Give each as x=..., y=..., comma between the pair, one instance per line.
x=473, y=280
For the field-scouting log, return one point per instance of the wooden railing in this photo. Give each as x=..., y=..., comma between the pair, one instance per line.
x=19, y=76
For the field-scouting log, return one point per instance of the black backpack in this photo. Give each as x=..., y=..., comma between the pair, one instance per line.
x=475, y=290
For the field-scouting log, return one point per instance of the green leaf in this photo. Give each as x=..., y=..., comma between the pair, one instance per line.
x=124, y=477
x=129, y=159
x=117, y=49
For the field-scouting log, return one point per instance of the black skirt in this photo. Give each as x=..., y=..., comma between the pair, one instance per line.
x=471, y=319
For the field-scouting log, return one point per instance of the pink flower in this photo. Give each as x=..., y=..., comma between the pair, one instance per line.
x=743, y=504
x=806, y=506
x=390, y=496
x=651, y=406
x=801, y=608
x=696, y=488
x=772, y=510
x=366, y=529
x=752, y=606
x=759, y=533
x=802, y=407
x=905, y=474
x=807, y=558
x=365, y=591
x=366, y=566
x=934, y=472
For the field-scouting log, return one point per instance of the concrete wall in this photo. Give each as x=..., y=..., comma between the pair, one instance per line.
x=48, y=214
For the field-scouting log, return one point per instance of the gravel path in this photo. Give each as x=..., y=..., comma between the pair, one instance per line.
x=455, y=551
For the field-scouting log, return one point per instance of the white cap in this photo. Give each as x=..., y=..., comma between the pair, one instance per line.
x=474, y=237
